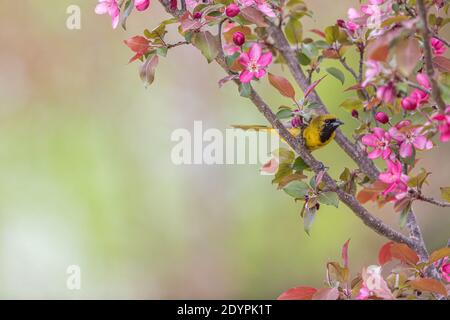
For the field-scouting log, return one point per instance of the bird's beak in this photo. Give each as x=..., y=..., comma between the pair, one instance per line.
x=337, y=123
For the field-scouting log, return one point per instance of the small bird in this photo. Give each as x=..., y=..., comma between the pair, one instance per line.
x=320, y=131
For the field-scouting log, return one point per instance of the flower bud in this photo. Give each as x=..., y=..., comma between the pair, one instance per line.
x=232, y=10
x=341, y=23
x=141, y=5
x=409, y=104
x=355, y=114
x=382, y=117
x=296, y=122
x=423, y=80
x=197, y=15
x=238, y=38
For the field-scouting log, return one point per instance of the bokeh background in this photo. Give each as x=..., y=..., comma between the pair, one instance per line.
x=86, y=177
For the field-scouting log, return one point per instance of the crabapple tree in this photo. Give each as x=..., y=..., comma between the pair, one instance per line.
x=400, y=99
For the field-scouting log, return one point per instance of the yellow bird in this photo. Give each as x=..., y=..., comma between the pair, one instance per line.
x=320, y=131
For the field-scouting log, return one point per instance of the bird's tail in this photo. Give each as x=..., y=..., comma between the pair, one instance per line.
x=253, y=127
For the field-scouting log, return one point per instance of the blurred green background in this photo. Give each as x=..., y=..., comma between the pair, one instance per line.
x=86, y=177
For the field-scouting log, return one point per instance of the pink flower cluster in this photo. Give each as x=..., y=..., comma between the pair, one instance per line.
x=359, y=19
x=417, y=97
x=111, y=7
x=406, y=138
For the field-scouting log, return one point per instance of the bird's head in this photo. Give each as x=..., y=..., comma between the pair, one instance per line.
x=329, y=124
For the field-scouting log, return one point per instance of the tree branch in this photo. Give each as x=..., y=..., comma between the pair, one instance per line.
x=297, y=144
x=421, y=197
x=426, y=34
x=353, y=150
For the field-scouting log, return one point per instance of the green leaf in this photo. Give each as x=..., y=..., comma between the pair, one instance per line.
x=294, y=31
x=284, y=155
x=300, y=165
x=352, y=104
x=308, y=219
x=207, y=44
x=338, y=74
x=297, y=189
x=129, y=6
x=329, y=198
x=445, y=193
x=162, y=51
x=284, y=170
x=284, y=114
x=303, y=59
x=245, y=90
x=310, y=50
x=331, y=34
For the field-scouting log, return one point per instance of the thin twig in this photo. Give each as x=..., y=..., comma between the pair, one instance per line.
x=426, y=34
x=347, y=67
x=417, y=86
x=421, y=197
x=297, y=144
x=436, y=36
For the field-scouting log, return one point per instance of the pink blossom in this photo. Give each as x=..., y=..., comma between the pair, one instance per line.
x=379, y=140
x=141, y=5
x=444, y=124
x=373, y=69
x=409, y=138
x=386, y=93
x=255, y=63
x=270, y=167
x=445, y=269
x=420, y=96
x=376, y=2
x=373, y=284
x=353, y=14
x=261, y=5
x=230, y=49
x=423, y=80
x=437, y=46
x=111, y=8
x=394, y=177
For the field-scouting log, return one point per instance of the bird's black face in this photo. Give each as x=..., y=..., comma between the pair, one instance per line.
x=329, y=126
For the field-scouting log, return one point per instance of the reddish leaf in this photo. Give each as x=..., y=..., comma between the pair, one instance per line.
x=404, y=253
x=407, y=54
x=318, y=32
x=254, y=15
x=439, y=254
x=384, y=255
x=228, y=36
x=282, y=85
x=354, y=87
x=378, y=50
x=138, y=44
x=345, y=253
x=298, y=293
x=326, y=294
x=330, y=54
x=148, y=69
x=430, y=285
x=366, y=195
x=442, y=63
x=313, y=86
x=187, y=23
